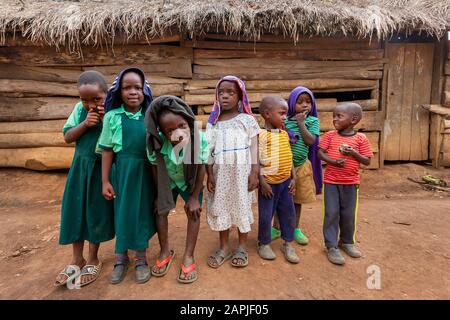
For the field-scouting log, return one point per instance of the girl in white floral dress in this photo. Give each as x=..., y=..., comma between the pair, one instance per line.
x=233, y=169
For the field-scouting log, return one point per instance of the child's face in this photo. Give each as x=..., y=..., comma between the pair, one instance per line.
x=132, y=90
x=91, y=96
x=304, y=103
x=228, y=95
x=276, y=115
x=343, y=118
x=175, y=128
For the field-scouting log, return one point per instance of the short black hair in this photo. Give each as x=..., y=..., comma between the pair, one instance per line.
x=353, y=108
x=93, y=77
x=268, y=102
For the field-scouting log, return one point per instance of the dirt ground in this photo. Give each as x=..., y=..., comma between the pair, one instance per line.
x=402, y=229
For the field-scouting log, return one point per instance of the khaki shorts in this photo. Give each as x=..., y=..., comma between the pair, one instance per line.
x=304, y=184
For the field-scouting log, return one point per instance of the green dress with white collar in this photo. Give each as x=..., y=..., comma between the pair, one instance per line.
x=125, y=134
x=85, y=213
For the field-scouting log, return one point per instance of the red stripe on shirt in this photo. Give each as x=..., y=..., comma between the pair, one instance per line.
x=349, y=174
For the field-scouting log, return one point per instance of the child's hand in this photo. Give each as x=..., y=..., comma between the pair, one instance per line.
x=266, y=190
x=108, y=191
x=193, y=208
x=339, y=163
x=347, y=151
x=292, y=187
x=92, y=118
x=301, y=116
x=211, y=184
x=101, y=111
x=253, y=182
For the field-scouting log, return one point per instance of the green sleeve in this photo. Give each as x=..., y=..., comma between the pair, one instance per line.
x=313, y=125
x=74, y=118
x=204, y=148
x=105, y=141
x=151, y=157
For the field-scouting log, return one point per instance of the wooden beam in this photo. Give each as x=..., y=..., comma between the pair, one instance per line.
x=211, y=72
x=122, y=55
x=27, y=88
x=47, y=158
x=304, y=45
x=300, y=65
x=32, y=140
x=32, y=126
x=287, y=85
x=317, y=54
x=25, y=109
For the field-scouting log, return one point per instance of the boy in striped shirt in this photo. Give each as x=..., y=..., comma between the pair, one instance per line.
x=277, y=180
x=343, y=150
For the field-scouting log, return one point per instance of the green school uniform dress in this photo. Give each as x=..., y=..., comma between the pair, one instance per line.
x=85, y=213
x=124, y=133
x=175, y=167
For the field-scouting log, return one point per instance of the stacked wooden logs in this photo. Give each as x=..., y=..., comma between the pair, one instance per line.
x=274, y=66
x=38, y=83
x=38, y=92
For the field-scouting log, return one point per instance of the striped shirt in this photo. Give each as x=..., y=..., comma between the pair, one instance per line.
x=275, y=155
x=349, y=174
x=300, y=150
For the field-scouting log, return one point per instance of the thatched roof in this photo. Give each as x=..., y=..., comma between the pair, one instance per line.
x=58, y=22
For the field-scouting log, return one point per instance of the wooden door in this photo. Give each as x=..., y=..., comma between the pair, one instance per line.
x=406, y=127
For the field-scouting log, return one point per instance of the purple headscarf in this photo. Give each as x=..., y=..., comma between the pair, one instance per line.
x=244, y=104
x=312, y=154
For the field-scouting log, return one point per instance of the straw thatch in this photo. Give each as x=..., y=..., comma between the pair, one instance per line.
x=83, y=22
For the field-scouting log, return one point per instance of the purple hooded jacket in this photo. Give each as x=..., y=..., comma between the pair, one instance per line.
x=312, y=155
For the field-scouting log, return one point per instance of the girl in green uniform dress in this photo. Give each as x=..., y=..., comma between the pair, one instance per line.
x=85, y=214
x=126, y=172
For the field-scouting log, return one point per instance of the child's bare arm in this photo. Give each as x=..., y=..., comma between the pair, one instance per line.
x=265, y=188
x=322, y=155
x=355, y=154
x=107, y=160
x=75, y=133
x=307, y=137
x=253, y=177
x=211, y=184
x=193, y=207
x=292, y=183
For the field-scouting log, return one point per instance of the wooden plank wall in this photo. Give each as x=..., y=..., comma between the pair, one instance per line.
x=274, y=66
x=408, y=87
x=38, y=91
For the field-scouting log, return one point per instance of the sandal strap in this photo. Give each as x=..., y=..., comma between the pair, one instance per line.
x=241, y=254
x=160, y=264
x=189, y=269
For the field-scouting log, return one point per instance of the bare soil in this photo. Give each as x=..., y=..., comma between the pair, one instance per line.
x=402, y=228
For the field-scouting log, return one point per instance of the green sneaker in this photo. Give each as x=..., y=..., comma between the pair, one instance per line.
x=275, y=233
x=300, y=237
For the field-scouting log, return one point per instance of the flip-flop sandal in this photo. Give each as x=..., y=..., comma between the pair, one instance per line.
x=68, y=271
x=240, y=254
x=92, y=270
x=186, y=271
x=219, y=254
x=159, y=264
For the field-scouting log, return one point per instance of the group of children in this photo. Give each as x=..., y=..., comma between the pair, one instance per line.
x=134, y=155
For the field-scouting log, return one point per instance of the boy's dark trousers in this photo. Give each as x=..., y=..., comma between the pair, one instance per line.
x=340, y=206
x=281, y=202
